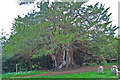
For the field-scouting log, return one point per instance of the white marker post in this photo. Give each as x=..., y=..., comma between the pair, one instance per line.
x=16, y=68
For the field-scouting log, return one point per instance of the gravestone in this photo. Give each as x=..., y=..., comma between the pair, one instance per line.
x=118, y=74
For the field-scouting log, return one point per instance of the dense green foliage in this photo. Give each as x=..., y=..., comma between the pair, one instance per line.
x=68, y=25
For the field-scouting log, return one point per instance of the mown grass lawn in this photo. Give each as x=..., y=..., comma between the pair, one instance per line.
x=19, y=74
x=93, y=74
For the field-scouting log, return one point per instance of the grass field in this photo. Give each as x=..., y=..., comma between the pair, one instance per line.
x=93, y=74
x=13, y=74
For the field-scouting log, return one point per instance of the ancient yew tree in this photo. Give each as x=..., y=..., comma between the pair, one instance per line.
x=70, y=33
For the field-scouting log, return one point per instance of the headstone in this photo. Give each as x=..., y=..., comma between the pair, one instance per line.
x=118, y=74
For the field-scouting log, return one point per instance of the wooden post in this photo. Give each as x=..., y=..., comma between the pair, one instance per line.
x=16, y=68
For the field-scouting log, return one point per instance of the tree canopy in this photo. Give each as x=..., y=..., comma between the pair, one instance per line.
x=66, y=26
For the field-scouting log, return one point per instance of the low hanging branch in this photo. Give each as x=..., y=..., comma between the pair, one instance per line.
x=93, y=55
x=80, y=49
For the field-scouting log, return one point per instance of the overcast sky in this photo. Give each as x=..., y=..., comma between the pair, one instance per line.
x=10, y=9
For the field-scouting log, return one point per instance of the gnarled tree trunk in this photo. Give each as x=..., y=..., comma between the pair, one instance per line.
x=64, y=57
